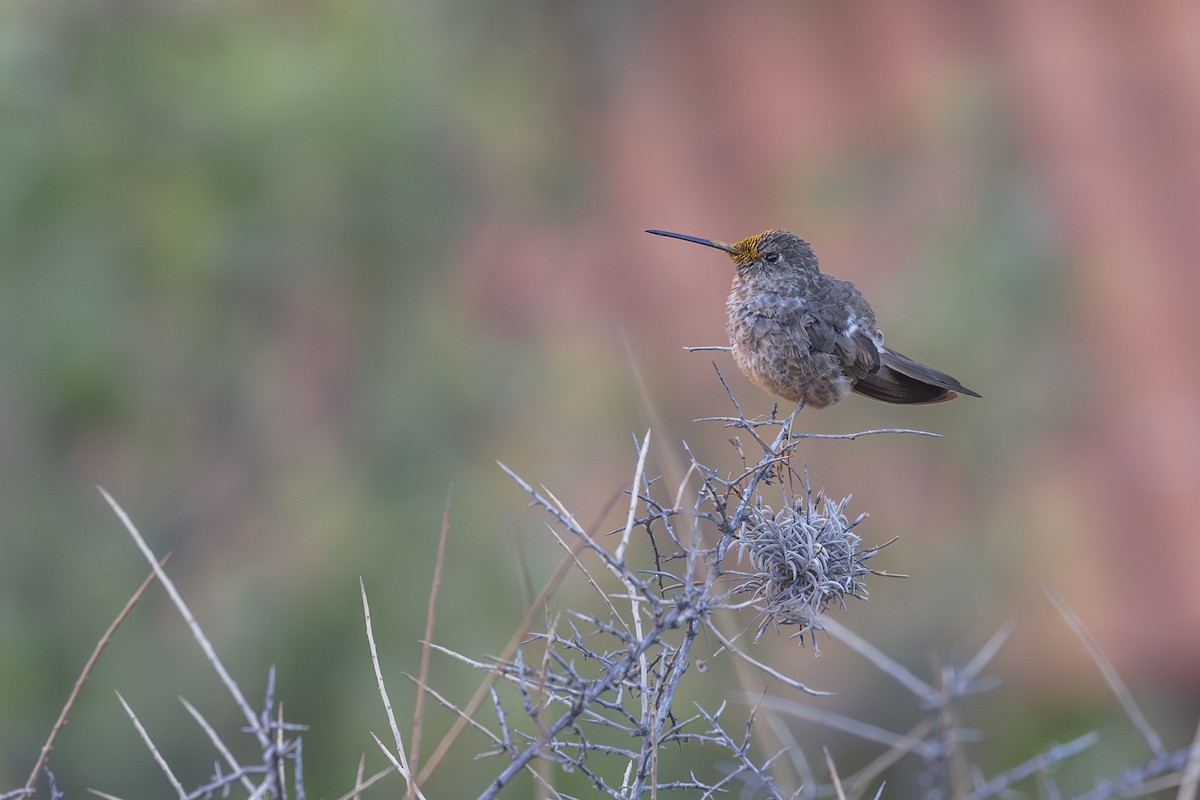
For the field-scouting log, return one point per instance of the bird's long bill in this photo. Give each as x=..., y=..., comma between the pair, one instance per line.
x=732, y=249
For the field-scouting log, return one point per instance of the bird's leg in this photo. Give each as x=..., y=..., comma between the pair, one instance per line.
x=792, y=418
x=783, y=442
x=790, y=421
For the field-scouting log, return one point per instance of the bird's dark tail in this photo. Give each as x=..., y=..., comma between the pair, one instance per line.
x=899, y=379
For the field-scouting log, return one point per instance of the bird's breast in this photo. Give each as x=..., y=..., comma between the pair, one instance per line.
x=763, y=315
x=771, y=336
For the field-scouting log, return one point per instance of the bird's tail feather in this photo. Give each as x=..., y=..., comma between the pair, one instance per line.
x=901, y=380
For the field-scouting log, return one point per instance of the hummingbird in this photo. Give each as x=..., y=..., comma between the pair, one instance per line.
x=809, y=337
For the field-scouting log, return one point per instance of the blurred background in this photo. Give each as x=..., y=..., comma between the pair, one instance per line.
x=283, y=276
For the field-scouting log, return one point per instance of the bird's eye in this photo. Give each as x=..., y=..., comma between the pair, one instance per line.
x=771, y=258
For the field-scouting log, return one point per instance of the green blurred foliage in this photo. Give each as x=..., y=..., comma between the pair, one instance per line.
x=224, y=235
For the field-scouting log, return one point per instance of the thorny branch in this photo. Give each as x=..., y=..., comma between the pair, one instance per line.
x=598, y=693
x=788, y=562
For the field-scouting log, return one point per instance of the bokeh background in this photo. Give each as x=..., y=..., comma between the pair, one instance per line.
x=282, y=276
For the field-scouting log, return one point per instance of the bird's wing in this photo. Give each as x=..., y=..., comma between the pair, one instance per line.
x=836, y=328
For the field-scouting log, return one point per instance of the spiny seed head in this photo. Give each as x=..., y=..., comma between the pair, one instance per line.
x=805, y=558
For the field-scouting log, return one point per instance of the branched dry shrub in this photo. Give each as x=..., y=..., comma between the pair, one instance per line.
x=597, y=694
x=758, y=539
x=589, y=675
